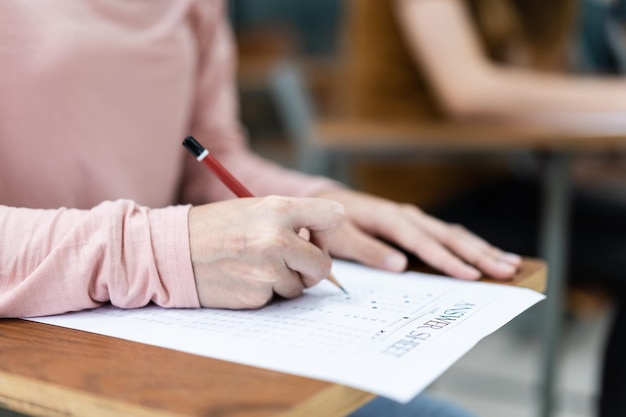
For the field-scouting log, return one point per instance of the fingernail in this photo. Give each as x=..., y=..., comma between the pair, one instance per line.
x=395, y=262
x=475, y=273
x=513, y=258
x=506, y=267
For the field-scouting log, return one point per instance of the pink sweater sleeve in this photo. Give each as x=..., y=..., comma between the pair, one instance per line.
x=123, y=253
x=216, y=125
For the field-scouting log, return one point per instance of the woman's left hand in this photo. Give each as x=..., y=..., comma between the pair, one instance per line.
x=449, y=248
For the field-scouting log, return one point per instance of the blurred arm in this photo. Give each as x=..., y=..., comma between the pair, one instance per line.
x=468, y=84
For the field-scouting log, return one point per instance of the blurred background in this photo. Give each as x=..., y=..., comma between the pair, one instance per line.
x=297, y=63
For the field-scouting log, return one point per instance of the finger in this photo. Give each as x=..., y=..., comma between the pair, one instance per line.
x=410, y=235
x=482, y=255
x=358, y=246
x=474, y=250
x=471, y=248
x=438, y=256
x=464, y=244
x=310, y=262
x=289, y=284
x=304, y=234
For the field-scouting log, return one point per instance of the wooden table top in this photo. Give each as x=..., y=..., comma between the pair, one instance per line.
x=576, y=132
x=52, y=371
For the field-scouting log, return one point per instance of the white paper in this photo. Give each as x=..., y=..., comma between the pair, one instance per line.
x=392, y=335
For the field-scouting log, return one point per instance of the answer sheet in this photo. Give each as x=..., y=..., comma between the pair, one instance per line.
x=392, y=334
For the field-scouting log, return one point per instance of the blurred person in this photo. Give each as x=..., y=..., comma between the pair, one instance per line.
x=101, y=203
x=470, y=59
x=435, y=60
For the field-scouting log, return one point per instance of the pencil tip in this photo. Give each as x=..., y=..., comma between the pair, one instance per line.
x=343, y=289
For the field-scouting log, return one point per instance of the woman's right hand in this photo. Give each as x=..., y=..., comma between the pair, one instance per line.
x=245, y=250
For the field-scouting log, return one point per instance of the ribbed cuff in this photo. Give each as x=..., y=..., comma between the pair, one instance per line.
x=170, y=243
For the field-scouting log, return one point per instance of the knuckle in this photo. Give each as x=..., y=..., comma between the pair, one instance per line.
x=277, y=203
x=493, y=252
x=458, y=228
x=279, y=240
x=271, y=241
x=431, y=254
x=486, y=255
x=454, y=232
x=410, y=209
x=406, y=207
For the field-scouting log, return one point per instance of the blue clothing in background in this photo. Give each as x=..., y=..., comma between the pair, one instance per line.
x=602, y=37
x=421, y=406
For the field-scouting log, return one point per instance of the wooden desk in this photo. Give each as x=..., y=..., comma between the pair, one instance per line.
x=52, y=371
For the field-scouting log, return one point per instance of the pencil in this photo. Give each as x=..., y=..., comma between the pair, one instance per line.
x=202, y=155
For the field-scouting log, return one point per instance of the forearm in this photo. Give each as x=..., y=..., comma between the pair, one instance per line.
x=442, y=38
x=54, y=261
x=509, y=92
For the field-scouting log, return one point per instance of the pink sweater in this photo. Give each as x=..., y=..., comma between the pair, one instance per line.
x=95, y=99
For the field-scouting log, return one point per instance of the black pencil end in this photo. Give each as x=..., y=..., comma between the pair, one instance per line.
x=193, y=146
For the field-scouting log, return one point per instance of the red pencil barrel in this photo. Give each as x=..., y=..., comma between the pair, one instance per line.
x=226, y=177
